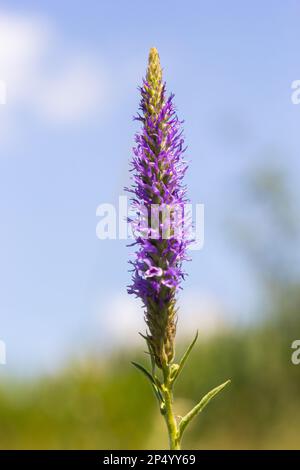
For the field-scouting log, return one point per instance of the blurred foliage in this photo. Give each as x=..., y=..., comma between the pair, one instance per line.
x=95, y=405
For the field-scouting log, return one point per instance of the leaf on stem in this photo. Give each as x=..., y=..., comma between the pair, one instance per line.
x=184, y=359
x=199, y=407
x=152, y=381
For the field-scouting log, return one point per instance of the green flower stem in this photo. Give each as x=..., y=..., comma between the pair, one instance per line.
x=168, y=409
x=163, y=389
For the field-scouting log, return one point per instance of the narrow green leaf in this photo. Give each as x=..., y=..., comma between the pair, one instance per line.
x=184, y=358
x=145, y=372
x=199, y=407
x=152, y=381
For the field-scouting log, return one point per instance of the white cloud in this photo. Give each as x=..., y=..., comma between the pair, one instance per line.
x=73, y=93
x=200, y=311
x=22, y=43
x=123, y=321
x=31, y=54
x=122, y=318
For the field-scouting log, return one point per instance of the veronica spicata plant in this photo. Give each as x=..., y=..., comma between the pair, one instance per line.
x=160, y=227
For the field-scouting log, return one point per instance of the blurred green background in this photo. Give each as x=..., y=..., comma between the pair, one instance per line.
x=106, y=404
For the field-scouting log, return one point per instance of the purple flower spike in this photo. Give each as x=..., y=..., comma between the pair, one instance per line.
x=161, y=229
x=158, y=201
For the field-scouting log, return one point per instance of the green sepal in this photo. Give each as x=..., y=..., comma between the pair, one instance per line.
x=199, y=407
x=178, y=367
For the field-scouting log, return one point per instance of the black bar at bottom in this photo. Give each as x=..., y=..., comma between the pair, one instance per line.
x=133, y=459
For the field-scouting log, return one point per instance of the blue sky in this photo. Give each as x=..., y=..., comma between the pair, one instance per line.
x=66, y=132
